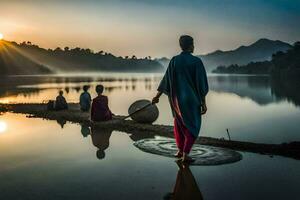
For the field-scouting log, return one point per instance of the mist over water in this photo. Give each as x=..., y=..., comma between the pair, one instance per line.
x=255, y=108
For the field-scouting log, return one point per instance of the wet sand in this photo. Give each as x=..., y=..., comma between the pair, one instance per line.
x=140, y=131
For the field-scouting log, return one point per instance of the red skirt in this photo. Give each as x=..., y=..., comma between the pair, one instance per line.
x=184, y=138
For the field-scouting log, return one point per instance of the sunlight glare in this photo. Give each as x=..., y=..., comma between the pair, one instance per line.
x=1, y=36
x=3, y=127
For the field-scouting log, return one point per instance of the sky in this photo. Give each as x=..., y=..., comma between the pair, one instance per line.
x=149, y=27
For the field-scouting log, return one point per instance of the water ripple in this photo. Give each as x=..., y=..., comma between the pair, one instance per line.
x=203, y=155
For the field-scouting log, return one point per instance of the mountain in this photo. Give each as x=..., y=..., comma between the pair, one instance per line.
x=283, y=65
x=69, y=60
x=14, y=62
x=27, y=58
x=261, y=50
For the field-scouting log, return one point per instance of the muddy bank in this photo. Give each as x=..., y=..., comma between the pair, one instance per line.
x=141, y=131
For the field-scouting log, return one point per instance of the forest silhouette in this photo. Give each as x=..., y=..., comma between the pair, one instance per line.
x=283, y=65
x=28, y=58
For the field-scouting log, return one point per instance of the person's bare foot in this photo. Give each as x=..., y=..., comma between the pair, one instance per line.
x=178, y=154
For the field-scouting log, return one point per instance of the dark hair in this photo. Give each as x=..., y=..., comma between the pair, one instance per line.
x=185, y=42
x=99, y=89
x=86, y=88
x=61, y=92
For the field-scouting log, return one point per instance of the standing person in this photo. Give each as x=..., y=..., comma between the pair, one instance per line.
x=61, y=103
x=85, y=99
x=100, y=110
x=185, y=83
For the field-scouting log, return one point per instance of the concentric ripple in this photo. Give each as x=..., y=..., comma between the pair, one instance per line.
x=203, y=155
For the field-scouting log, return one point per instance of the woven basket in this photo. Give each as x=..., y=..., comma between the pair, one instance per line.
x=147, y=115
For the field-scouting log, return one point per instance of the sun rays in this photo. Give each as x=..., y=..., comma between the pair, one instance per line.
x=9, y=53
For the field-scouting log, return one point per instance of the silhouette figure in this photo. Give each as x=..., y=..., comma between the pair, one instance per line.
x=100, y=110
x=100, y=138
x=85, y=99
x=61, y=103
x=185, y=83
x=186, y=187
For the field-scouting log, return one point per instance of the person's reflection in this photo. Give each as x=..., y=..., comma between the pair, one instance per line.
x=85, y=130
x=67, y=89
x=185, y=187
x=61, y=122
x=100, y=138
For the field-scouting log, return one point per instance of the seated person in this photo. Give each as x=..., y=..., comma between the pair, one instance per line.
x=61, y=103
x=100, y=110
x=85, y=99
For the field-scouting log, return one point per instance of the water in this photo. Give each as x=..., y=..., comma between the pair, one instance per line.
x=252, y=107
x=41, y=160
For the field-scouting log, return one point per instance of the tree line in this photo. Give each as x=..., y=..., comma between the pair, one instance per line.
x=79, y=59
x=282, y=64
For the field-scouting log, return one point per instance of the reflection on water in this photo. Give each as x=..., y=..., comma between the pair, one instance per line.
x=252, y=87
x=253, y=108
x=40, y=88
x=186, y=186
x=288, y=90
x=260, y=89
x=3, y=127
x=100, y=138
x=61, y=122
x=58, y=160
x=39, y=160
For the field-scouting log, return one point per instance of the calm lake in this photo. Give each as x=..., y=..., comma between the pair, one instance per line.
x=42, y=159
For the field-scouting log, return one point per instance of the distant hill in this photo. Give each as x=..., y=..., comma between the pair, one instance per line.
x=283, y=65
x=27, y=58
x=261, y=50
x=14, y=62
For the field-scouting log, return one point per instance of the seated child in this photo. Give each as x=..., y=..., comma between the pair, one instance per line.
x=100, y=110
x=85, y=99
x=61, y=103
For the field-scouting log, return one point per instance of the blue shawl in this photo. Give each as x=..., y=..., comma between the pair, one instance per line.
x=186, y=78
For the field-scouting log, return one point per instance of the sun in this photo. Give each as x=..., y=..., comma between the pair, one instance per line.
x=3, y=127
x=1, y=36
